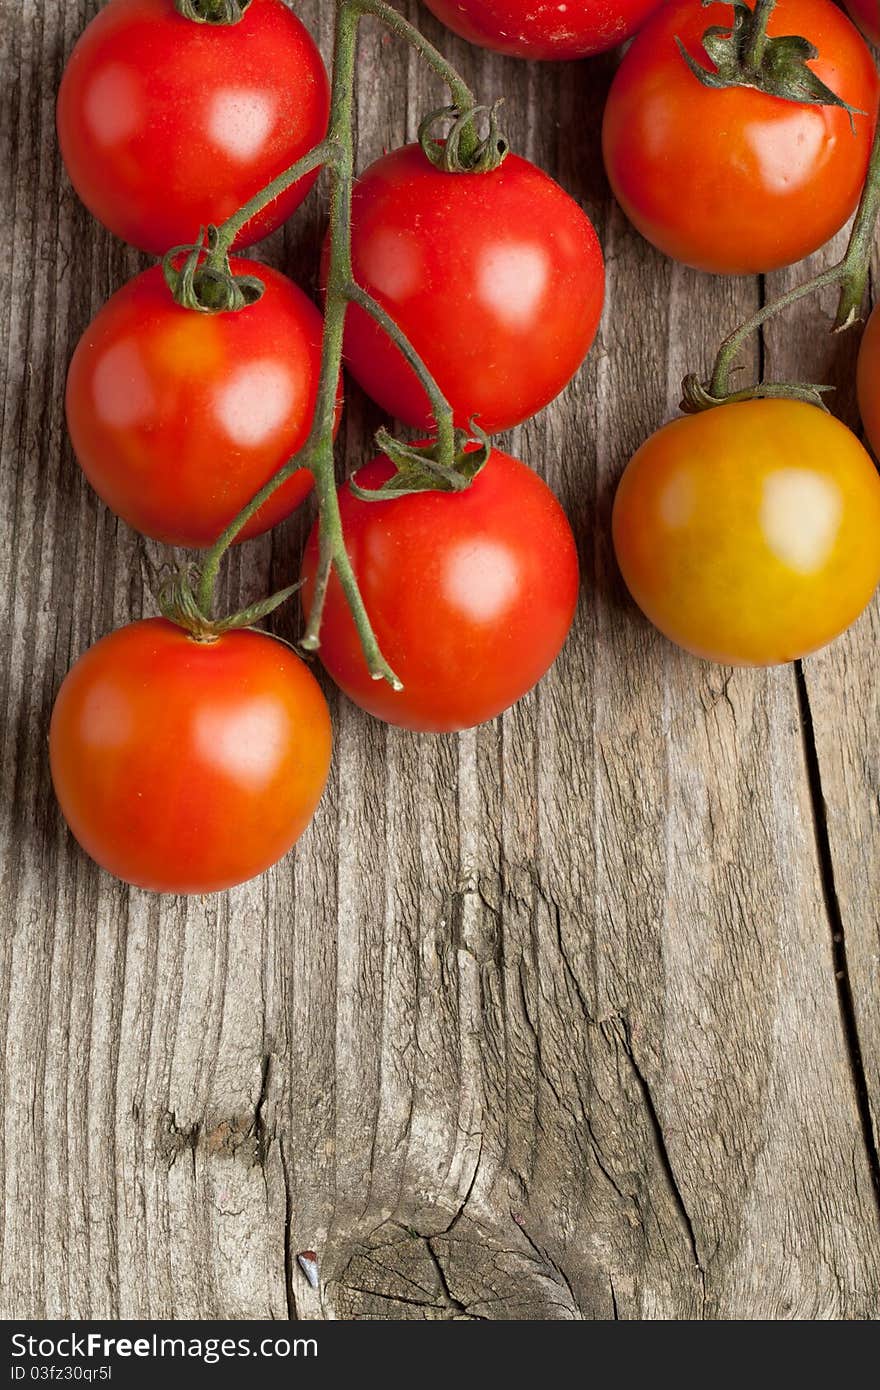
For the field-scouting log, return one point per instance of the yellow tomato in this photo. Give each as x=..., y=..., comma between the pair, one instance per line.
x=750, y=534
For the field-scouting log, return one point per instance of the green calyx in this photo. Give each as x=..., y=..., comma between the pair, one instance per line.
x=177, y=602
x=464, y=150
x=420, y=467
x=745, y=56
x=204, y=282
x=697, y=397
x=212, y=11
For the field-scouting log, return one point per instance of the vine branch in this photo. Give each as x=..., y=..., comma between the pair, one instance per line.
x=850, y=274
x=192, y=604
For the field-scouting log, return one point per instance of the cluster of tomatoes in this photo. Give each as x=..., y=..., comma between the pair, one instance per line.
x=188, y=765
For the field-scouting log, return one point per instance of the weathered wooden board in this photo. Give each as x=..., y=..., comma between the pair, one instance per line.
x=573, y=1016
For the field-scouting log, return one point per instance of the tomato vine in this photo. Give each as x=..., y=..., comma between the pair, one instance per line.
x=205, y=283
x=850, y=273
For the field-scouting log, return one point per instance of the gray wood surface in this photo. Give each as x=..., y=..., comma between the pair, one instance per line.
x=574, y=1016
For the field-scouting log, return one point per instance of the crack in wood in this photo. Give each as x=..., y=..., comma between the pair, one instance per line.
x=825, y=859
x=289, y=1263
x=623, y=1033
x=614, y=1307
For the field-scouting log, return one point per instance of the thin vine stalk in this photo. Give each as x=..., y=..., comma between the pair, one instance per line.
x=850, y=273
x=336, y=153
x=758, y=40
x=323, y=153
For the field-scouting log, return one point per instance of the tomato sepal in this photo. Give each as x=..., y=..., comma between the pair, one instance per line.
x=420, y=467
x=745, y=56
x=697, y=396
x=177, y=602
x=209, y=287
x=463, y=150
x=212, y=11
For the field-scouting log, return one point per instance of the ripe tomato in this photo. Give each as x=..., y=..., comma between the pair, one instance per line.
x=525, y=29
x=184, y=766
x=166, y=125
x=868, y=380
x=866, y=14
x=178, y=418
x=496, y=279
x=736, y=181
x=750, y=534
x=471, y=595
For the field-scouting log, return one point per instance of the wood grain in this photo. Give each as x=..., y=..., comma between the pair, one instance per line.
x=574, y=1016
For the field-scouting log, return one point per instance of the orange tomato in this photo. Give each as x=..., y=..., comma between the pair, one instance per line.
x=179, y=418
x=750, y=534
x=737, y=181
x=184, y=766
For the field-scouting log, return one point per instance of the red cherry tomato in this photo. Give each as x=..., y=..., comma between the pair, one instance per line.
x=496, y=279
x=184, y=766
x=526, y=29
x=750, y=534
x=178, y=418
x=471, y=595
x=166, y=125
x=866, y=14
x=737, y=181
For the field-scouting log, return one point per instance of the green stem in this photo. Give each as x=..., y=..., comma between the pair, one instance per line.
x=440, y=407
x=856, y=264
x=332, y=551
x=460, y=92
x=229, y=230
x=757, y=43
x=336, y=152
x=850, y=273
x=719, y=385
x=210, y=566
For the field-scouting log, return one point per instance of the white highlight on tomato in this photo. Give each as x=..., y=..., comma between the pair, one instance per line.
x=111, y=104
x=121, y=387
x=481, y=579
x=800, y=517
x=255, y=401
x=786, y=152
x=105, y=720
x=392, y=263
x=239, y=120
x=512, y=281
x=677, y=501
x=246, y=745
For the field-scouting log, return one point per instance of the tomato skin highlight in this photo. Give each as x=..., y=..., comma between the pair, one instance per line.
x=737, y=182
x=166, y=125
x=750, y=534
x=496, y=279
x=868, y=380
x=525, y=29
x=188, y=767
x=471, y=595
x=178, y=418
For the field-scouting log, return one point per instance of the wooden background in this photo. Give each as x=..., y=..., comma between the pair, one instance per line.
x=574, y=1016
